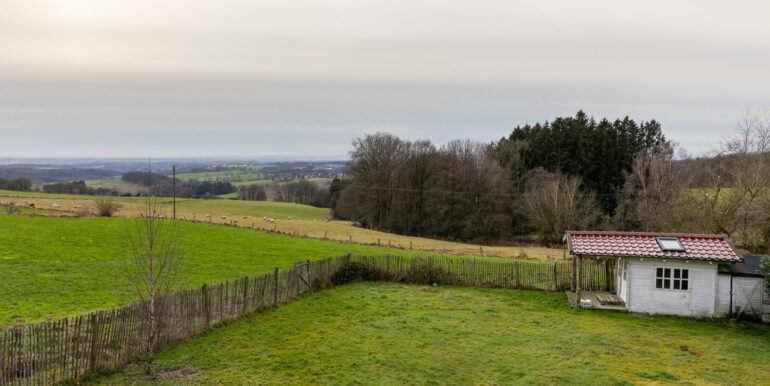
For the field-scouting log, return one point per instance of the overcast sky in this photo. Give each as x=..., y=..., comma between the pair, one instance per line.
x=123, y=78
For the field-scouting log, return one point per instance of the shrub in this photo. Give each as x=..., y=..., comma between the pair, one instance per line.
x=106, y=207
x=353, y=272
x=10, y=208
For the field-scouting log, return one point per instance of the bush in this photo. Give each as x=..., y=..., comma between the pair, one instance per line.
x=10, y=208
x=106, y=207
x=419, y=273
x=354, y=272
x=425, y=274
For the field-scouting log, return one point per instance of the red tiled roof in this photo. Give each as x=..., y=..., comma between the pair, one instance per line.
x=643, y=244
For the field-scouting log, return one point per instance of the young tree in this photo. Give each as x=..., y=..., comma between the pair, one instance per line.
x=151, y=265
x=738, y=181
x=764, y=268
x=559, y=204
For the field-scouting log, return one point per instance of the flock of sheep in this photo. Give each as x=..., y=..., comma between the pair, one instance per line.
x=31, y=205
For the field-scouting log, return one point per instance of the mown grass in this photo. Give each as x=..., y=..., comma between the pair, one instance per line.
x=311, y=223
x=51, y=267
x=377, y=333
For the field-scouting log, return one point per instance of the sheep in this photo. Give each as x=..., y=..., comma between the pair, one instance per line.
x=222, y=216
x=288, y=217
x=245, y=217
x=264, y=218
x=208, y=215
x=55, y=206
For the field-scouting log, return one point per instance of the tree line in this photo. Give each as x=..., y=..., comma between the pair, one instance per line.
x=570, y=173
x=297, y=192
x=20, y=184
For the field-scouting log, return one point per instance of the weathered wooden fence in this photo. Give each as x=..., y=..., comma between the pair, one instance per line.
x=71, y=348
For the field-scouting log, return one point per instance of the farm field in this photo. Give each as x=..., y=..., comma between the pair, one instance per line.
x=306, y=221
x=377, y=333
x=51, y=267
x=239, y=174
x=114, y=182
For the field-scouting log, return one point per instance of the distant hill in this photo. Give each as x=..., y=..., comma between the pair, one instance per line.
x=42, y=174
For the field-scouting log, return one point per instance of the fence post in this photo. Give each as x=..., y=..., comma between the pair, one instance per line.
x=245, y=294
x=275, y=287
x=518, y=284
x=430, y=270
x=607, y=274
x=94, y=342
x=555, y=277
x=206, y=306
x=473, y=272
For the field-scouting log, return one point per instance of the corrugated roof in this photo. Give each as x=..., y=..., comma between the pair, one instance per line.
x=644, y=244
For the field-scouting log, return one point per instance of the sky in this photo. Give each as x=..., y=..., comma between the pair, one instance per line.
x=231, y=78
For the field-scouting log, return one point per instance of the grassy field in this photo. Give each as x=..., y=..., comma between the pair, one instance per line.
x=306, y=221
x=51, y=267
x=239, y=174
x=114, y=182
x=398, y=334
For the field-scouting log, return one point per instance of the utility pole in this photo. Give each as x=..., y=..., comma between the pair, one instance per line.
x=173, y=173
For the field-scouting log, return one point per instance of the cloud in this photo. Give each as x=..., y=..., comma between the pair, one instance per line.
x=241, y=77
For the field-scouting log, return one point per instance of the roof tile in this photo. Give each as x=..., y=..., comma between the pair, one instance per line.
x=697, y=247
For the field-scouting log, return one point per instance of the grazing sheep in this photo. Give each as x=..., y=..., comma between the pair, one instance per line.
x=208, y=215
x=55, y=206
x=222, y=216
x=264, y=218
x=288, y=218
x=245, y=217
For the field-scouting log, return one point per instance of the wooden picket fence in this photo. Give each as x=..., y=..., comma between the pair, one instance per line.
x=72, y=348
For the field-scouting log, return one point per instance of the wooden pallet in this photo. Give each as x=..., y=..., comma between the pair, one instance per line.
x=608, y=299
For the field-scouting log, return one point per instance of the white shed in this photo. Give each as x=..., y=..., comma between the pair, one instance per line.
x=675, y=274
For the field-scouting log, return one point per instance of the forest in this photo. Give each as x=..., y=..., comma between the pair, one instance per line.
x=570, y=173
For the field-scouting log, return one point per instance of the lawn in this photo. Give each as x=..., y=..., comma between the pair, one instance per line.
x=51, y=267
x=306, y=221
x=376, y=333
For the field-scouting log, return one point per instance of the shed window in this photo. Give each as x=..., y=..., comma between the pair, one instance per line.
x=672, y=278
x=670, y=244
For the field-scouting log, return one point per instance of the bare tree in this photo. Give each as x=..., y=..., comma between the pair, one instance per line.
x=739, y=179
x=151, y=265
x=559, y=204
x=652, y=189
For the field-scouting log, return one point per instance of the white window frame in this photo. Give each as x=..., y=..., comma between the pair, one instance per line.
x=672, y=280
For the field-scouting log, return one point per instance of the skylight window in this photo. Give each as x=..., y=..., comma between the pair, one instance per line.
x=670, y=244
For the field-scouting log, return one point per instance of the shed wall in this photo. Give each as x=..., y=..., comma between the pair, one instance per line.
x=723, y=296
x=698, y=300
x=747, y=295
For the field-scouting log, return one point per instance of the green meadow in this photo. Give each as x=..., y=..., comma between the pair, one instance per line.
x=51, y=267
x=377, y=333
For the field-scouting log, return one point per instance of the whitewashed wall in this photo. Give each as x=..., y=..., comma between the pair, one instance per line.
x=698, y=300
x=621, y=279
x=723, y=296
